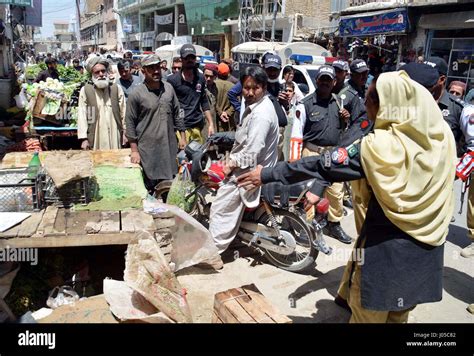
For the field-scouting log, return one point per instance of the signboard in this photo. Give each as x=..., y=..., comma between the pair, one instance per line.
x=126, y=27
x=16, y=2
x=164, y=19
x=34, y=14
x=378, y=23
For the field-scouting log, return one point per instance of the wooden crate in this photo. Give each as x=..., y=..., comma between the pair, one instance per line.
x=245, y=305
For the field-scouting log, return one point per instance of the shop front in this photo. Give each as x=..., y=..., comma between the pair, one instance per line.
x=453, y=40
x=379, y=37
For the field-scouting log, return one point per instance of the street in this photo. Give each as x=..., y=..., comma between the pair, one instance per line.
x=309, y=298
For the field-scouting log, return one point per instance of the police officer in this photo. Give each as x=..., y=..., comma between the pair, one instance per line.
x=322, y=129
x=467, y=127
x=450, y=106
x=272, y=65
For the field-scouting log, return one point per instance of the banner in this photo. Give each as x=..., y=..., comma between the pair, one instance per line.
x=379, y=23
x=16, y=2
x=164, y=19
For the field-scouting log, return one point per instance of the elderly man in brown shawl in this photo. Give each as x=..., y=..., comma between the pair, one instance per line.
x=101, y=110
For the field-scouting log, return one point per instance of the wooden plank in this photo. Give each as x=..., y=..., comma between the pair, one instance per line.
x=127, y=222
x=69, y=241
x=47, y=223
x=94, y=222
x=252, y=309
x=216, y=319
x=110, y=222
x=116, y=158
x=262, y=303
x=59, y=226
x=12, y=232
x=137, y=220
x=227, y=303
x=30, y=225
x=76, y=222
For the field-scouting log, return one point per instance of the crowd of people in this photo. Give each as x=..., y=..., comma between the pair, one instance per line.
x=400, y=163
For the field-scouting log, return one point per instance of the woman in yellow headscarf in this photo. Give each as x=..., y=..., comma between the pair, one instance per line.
x=408, y=163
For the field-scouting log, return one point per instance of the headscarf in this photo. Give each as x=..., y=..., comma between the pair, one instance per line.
x=94, y=60
x=410, y=159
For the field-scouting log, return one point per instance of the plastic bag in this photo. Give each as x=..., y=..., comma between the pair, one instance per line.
x=192, y=243
x=21, y=100
x=62, y=296
x=181, y=187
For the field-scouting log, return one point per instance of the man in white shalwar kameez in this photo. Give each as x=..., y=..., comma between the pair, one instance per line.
x=256, y=142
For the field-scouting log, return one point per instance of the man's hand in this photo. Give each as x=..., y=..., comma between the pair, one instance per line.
x=135, y=157
x=182, y=143
x=85, y=145
x=345, y=115
x=252, y=179
x=224, y=117
x=311, y=199
x=211, y=130
x=124, y=140
x=228, y=167
x=284, y=100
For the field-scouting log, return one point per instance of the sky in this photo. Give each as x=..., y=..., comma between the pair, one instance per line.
x=56, y=10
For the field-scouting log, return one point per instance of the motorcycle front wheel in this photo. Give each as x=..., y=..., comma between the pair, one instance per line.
x=303, y=259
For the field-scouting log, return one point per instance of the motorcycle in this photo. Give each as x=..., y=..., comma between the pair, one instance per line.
x=277, y=228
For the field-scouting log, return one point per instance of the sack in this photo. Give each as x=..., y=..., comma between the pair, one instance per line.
x=465, y=166
x=181, y=187
x=148, y=273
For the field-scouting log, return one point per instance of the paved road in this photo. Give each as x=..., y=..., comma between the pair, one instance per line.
x=309, y=298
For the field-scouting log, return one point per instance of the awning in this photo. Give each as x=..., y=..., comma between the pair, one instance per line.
x=447, y=21
x=164, y=36
x=375, y=23
x=108, y=47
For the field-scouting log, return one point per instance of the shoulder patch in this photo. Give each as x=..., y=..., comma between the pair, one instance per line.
x=364, y=124
x=339, y=156
x=352, y=150
x=327, y=159
x=471, y=119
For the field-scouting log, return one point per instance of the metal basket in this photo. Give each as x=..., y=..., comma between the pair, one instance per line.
x=18, y=192
x=73, y=193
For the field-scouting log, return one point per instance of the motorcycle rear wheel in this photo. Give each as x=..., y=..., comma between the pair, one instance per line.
x=303, y=259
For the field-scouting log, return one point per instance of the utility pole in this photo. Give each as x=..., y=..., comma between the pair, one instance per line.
x=275, y=10
x=78, y=24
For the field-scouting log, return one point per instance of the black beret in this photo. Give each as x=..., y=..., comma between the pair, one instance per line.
x=422, y=73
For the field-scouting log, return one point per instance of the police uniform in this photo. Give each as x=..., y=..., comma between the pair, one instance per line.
x=451, y=108
x=322, y=129
x=354, y=102
x=467, y=128
x=369, y=299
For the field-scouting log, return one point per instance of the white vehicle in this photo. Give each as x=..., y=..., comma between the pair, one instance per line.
x=287, y=51
x=305, y=77
x=168, y=52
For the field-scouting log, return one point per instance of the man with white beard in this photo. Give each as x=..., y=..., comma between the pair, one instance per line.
x=101, y=110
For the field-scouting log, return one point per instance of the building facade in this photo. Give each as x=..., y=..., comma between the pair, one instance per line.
x=92, y=26
x=149, y=24
x=64, y=37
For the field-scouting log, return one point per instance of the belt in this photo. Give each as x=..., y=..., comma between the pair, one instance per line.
x=315, y=148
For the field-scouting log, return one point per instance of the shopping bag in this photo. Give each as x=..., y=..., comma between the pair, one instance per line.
x=181, y=190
